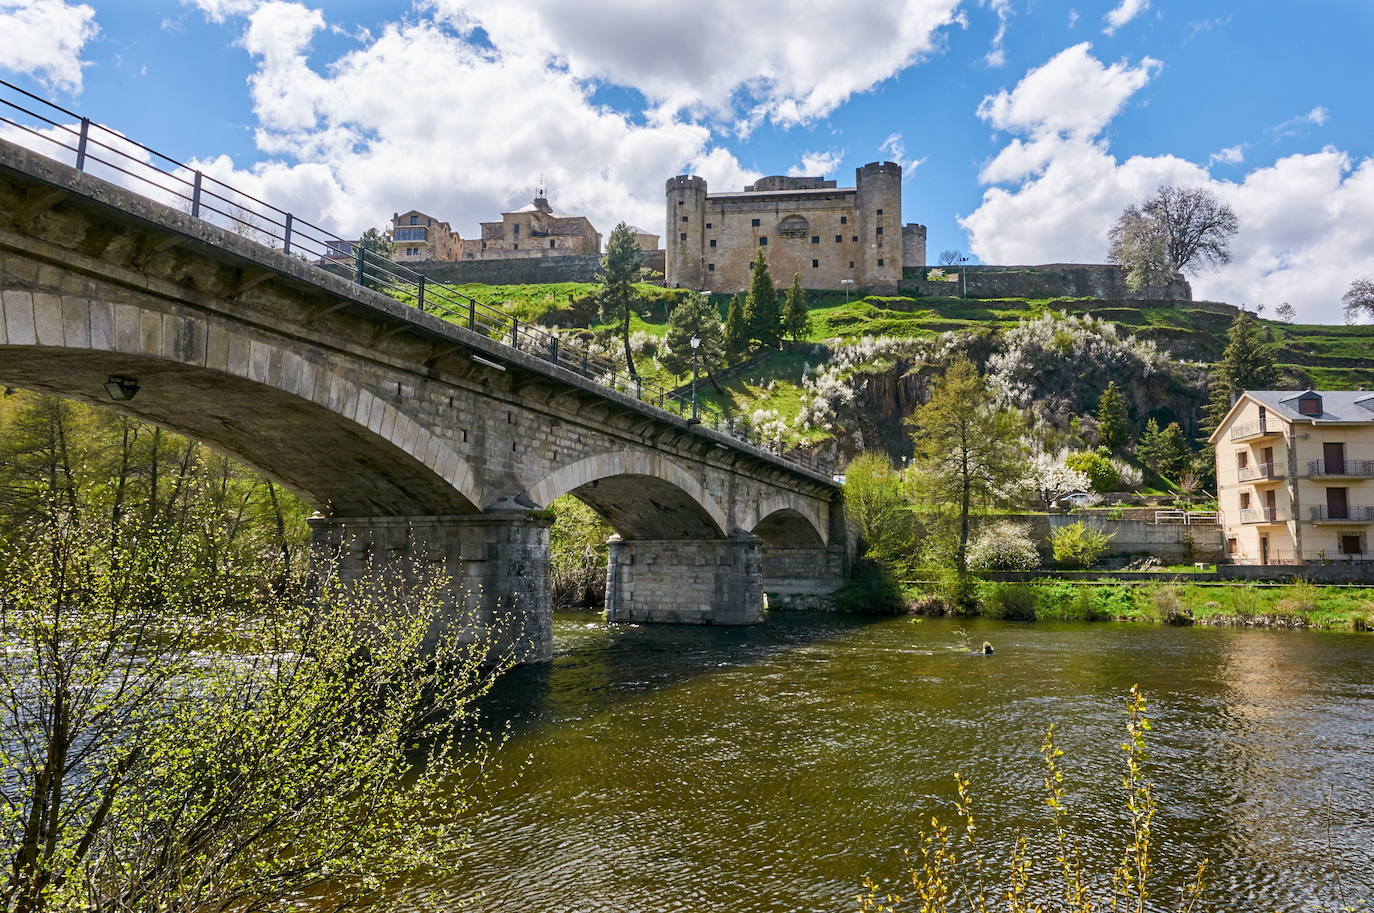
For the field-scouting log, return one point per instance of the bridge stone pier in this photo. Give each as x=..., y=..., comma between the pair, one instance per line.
x=419, y=441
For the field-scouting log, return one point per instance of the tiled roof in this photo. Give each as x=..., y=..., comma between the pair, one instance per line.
x=1337, y=405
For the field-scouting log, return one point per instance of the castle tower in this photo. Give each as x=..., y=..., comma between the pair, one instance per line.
x=684, y=233
x=879, y=205
x=913, y=245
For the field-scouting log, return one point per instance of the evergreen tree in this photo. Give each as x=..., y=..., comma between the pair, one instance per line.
x=761, y=307
x=1246, y=364
x=1165, y=450
x=969, y=454
x=736, y=329
x=621, y=267
x=796, y=312
x=375, y=241
x=1112, y=430
x=694, y=316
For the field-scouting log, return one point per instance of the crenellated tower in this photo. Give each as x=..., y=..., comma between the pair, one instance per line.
x=684, y=232
x=878, y=202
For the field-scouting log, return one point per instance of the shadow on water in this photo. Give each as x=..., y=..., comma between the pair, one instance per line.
x=596, y=665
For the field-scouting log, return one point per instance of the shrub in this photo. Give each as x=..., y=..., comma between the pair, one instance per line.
x=1003, y=546
x=1167, y=606
x=1078, y=546
x=1245, y=601
x=1012, y=601
x=1298, y=599
x=1101, y=473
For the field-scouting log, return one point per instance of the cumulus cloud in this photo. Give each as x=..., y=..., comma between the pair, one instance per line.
x=816, y=164
x=1124, y=13
x=1230, y=155
x=45, y=38
x=788, y=61
x=1306, y=221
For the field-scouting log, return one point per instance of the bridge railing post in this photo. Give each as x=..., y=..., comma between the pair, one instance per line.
x=553, y=349
x=286, y=235
x=585, y=357
x=81, y=143
x=195, y=197
x=362, y=257
x=514, y=333
x=472, y=314
x=420, y=294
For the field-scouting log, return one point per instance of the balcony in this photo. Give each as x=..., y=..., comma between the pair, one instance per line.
x=1261, y=472
x=1262, y=515
x=1350, y=514
x=1249, y=430
x=1344, y=469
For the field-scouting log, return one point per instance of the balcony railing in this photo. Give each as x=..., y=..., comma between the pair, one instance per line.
x=1261, y=472
x=1345, y=468
x=1351, y=514
x=1262, y=515
x=1251, y=429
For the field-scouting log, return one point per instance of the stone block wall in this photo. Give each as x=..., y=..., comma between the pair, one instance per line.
x=524, y=271
x=1172, y=543
x=1346, y=572
x=802, y=578
x=685, y=581
x=1053, y=280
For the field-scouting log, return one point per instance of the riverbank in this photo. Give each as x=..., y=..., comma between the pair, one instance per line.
x=1295, y=606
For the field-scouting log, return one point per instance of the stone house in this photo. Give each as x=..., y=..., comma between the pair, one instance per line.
x=832, y=237
x=1295, y=476
x=533, y=230
x=418, y=236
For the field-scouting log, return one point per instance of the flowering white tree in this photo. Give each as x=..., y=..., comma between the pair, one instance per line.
x=1051, y=478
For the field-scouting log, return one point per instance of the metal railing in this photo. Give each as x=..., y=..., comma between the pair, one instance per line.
x=1352, y=514
x=73, y=139
x=1340, y=468
x=1262, y=515
x=1187, y=517
x=1250, y=429
x=1260, y=472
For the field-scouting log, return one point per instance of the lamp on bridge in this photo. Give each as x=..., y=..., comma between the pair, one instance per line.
x=121, y=389
x=696, y=347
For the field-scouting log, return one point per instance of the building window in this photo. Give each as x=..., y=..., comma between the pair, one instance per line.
x=551, y=242
x=880, y=212
x=763, y=241
x=412, y=251
x=708, y=224
x=844, y=220
x=880, y=261
x=517, y=230
x=855, y=238
x=1245, y=500
x=414, y=220
x=515, y=246
x=754, y=222
x=839, y=238
x=682, y=236
x=878, y=231
x=1350, y=545
x=484, y=245
x=1310, y=405
x=815, y=239
x=1232, y=546
x=1242, y=459
x=815, y=264
x=684, y=218
x=710, y=267
x=713, y=242
x=680, y=202
x=851, y=264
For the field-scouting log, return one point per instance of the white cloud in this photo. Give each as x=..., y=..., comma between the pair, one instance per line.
x=788, y=61
x=1073, y=18
x=894, y=147
x=1306, y=222
x=220, y=10
x=816, y=163
x=997, y=54
x=1230, y=155
x=1124, y=13
x=45, y=38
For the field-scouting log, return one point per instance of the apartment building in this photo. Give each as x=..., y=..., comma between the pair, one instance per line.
x=1295, y=476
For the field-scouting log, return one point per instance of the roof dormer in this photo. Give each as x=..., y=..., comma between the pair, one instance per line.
x=1309, y=403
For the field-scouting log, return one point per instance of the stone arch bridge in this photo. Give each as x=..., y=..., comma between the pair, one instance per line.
x=412, y=436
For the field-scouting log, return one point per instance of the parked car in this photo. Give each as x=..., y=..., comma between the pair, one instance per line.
x=1076, y=499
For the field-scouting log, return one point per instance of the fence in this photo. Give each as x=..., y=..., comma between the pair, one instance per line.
x=42, y=126
x=1187, y=517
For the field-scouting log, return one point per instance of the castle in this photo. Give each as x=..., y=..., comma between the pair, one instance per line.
x=833, y=237
x=534, y=230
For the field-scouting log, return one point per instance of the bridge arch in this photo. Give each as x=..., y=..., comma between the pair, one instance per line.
x=285, y=411
x=642, y=495
x=794, y=521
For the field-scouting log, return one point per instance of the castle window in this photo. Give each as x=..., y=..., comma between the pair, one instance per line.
x=815, y=239
x=710, y=267
x=763, y=241
x=815, y=263
x=880, y=212
x=680, y=202
x=844, y=220
x=878, y=231
x=551, y=244
x=880, y=261
x=516, y=246
x=855, y=238
x=851, y=264
x=713, y=242
x=754, y=222
x=708, y=224
x=517, y=229
x=839, y=238
x=684, y=218
x=683, y=236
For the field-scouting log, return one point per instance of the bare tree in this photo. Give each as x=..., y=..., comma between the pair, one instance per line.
x=950, y=257
x=1285, y=312
x=1178, y=229
x=1359, y=300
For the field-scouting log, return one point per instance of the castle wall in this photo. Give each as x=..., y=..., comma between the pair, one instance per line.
x=1054, y=280
x=526, y=270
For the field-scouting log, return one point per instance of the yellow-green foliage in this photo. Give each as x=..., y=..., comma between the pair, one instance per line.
x=1078, y=546
x=578, y=552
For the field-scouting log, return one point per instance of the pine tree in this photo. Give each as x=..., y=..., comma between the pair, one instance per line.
x=761, y=307
x=736, y=329
x=796, y=312
x=1246, y=364
x=621, y=267
x=694, y=316
x=1165, y=450
x=1112, y=429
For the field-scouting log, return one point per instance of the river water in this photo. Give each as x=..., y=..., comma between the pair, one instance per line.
x=676, y=768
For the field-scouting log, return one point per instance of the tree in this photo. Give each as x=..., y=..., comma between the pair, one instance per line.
x=173, y=746
x=950, y=257
x=736, y=329
x=1112, y=430
x=1176, y=230
x=796, y=312
x=1247, y=363
x=969, y=452
x=694, y=316
x=375, y=241
x=1097, y=466
x=1078, y=546
x=622, y=265
x=761, y=307
x=875, y=501
x=1165, y=450
x=1285, y=312
x=1004, y=546
x=1359, y=300
x=1051, y=477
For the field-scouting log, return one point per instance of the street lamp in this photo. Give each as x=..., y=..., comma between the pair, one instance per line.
x=696, y=356
x=963, y=279
x=846, y=283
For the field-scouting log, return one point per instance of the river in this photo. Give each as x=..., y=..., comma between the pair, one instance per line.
x=677, y=768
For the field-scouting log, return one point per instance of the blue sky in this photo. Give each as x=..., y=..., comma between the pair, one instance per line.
x=1025, y=125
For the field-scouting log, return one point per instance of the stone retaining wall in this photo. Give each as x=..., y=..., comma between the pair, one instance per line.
x=523, y=271
x=1051, y=280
